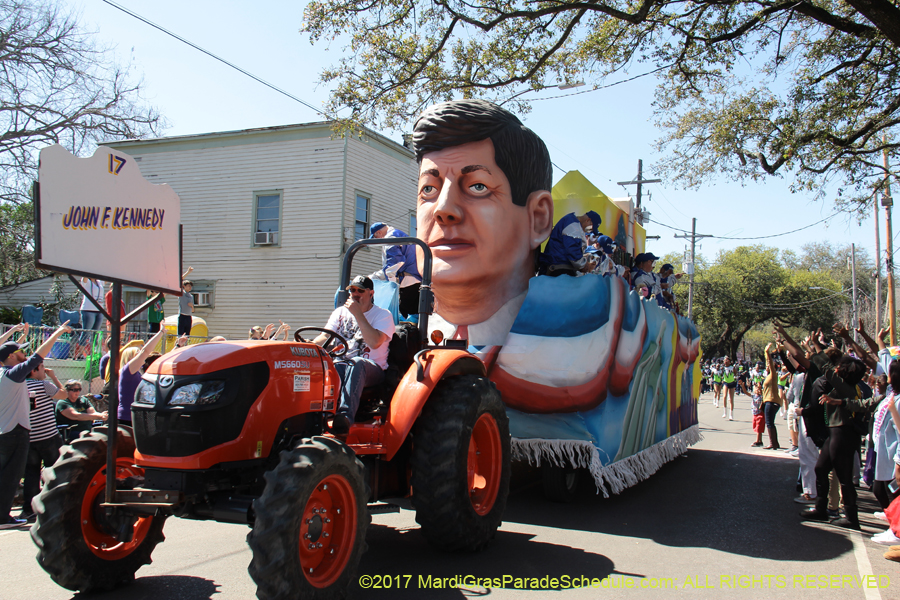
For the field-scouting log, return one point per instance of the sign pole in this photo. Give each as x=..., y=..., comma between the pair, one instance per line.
x=113, y=409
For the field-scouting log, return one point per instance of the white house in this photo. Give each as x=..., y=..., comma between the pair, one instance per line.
x=267, y=215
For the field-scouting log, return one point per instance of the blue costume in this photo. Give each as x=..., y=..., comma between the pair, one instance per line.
x=400, y=261
x=399, y=265
x=565, y=247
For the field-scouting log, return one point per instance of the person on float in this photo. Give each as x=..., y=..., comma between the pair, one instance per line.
x=398, y=264
x=565, y=253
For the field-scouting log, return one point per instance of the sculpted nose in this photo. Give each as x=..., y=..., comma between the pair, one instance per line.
x=447, y=210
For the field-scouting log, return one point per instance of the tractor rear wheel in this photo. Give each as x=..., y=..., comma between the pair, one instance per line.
x=460, y=463
x=76, y=545
x=311, y=520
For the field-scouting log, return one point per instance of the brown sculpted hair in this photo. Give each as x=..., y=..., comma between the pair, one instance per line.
x=517, y=150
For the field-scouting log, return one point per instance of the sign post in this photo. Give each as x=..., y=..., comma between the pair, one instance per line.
x=98, y=217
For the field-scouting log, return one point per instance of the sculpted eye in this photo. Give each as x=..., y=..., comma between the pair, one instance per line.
x=427, y=189
x=478, y=187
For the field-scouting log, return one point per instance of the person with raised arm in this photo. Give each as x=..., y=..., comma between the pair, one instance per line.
x=15, y=417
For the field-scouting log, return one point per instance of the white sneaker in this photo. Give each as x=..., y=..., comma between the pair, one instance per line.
x=886, y=537
x=724, y=414
x=715, y=403
x=731, y=415
x=880, y=516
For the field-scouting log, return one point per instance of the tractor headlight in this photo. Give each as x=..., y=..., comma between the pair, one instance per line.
x=206, y=392
x=146, y=394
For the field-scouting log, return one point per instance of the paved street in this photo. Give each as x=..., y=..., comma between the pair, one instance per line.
x=719, y=522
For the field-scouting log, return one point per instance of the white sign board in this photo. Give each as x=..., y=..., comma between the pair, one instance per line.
x=99, y=217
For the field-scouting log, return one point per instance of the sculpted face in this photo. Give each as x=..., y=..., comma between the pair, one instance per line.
x=467, y=217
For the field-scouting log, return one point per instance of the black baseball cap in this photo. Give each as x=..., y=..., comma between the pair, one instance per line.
x=8, y=349
x=361, y=281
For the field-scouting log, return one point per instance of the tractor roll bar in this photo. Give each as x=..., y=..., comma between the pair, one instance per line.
x=426, y=296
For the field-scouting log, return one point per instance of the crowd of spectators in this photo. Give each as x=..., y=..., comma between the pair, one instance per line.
x=842, y=414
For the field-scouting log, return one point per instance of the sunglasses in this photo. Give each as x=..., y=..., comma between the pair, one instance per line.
x=74, y=389
x=356, y=290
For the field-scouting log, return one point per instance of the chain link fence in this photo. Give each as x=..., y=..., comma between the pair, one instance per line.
x=77, y=355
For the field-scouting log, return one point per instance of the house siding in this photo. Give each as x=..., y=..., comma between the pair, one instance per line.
x=216, y=177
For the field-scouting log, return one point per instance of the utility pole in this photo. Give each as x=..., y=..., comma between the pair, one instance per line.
x=855, y=320
x=877, y=266
x=694, y=237
x=639, y=181
x=887, y=202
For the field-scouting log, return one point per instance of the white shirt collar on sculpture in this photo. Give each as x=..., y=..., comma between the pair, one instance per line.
x=490, y=332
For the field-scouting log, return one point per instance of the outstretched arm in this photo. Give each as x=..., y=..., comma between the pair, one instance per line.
x=861, y=330
x=867, y=358
x=792, y=347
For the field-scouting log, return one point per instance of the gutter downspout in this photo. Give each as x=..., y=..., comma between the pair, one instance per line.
x=343, y=206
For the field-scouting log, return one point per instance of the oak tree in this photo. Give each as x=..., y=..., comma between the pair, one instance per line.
x=57, y=85
x=809, y=89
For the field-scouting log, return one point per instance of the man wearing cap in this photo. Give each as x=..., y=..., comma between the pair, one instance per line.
x=368, y=330
x=565, y=251
x=400, y=266
x=667, y=280
x=15, y=421
x=607, y=266
x=642, y=275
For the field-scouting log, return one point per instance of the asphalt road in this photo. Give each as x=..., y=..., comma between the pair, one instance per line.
x=719, y=522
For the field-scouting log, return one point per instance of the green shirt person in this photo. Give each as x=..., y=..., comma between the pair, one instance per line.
x=155, y=313
x=75, y=411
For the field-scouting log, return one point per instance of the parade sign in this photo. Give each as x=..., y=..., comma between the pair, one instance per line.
x=99, y=217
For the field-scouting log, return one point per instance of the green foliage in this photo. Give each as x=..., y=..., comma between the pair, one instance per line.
x=16, y=244
x=749, y=88
x=750, y=286
x=10, y=316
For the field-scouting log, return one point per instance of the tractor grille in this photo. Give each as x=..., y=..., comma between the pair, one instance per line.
x=188, y=430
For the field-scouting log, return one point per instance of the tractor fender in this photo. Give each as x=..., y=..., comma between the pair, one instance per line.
x=411, y=394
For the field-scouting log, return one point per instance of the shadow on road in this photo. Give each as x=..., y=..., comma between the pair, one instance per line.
x=728, y=501
x=170, y=587
x=516, y=555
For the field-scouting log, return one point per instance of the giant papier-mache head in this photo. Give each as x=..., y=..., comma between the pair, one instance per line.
x=518, y=151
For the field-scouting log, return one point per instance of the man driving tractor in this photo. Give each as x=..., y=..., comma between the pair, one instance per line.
x=368, y=330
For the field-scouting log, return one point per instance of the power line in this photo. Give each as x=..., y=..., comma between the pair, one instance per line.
x=761, y=237
x=792, y=305
x=602, y=87
x=218, y=58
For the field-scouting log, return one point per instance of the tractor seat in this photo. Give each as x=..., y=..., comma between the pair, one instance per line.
x=403, y=347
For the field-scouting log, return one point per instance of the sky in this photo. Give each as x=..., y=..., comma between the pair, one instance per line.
x=600, y=133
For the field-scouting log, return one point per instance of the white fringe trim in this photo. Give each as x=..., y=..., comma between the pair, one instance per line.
x=616, y=476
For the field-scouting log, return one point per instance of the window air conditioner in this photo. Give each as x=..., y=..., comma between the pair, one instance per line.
x=201, y=299
x=266, y=238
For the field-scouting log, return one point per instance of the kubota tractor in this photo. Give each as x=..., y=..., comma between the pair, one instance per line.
x=238, y=432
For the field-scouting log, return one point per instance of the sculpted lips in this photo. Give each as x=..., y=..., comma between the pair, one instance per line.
x=445, y=245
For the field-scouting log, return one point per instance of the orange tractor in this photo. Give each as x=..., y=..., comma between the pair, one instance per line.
x=238, y=432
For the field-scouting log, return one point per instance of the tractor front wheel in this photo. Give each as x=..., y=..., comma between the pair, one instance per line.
x=77, y=546
x=311, y=520
x=460, y=463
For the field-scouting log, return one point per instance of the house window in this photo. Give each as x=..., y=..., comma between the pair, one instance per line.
x=267, y=218
x=361, y=229
x=412, y=224
x=132, y=301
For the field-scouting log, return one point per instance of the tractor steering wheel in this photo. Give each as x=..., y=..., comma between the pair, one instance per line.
x=335, y=345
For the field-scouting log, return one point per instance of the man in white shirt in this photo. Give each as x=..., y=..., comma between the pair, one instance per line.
x=368, y=330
